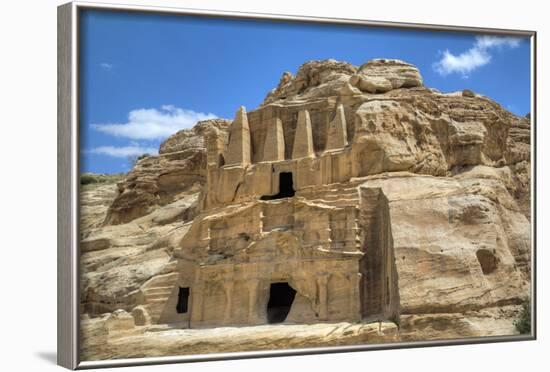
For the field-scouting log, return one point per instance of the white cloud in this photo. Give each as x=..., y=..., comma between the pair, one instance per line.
x=123, y=152
x=486, y=41
x=152, y=124
x=170, y=108
x=477, y=56
x=106, y=66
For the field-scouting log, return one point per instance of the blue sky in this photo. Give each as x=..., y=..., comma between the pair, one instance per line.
x=145, y=76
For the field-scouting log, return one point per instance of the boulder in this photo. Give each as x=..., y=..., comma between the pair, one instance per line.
x=141, y=316
x=400, y=74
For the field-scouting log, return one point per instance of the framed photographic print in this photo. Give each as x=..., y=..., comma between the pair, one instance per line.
x=238, y=185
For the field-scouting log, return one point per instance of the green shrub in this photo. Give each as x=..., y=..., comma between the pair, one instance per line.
x=87, y=178
x=143, y=156
x=135, y=159
x=523, y=322
x=95, y=178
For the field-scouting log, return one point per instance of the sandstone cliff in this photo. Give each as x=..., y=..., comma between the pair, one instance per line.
x=427, y=194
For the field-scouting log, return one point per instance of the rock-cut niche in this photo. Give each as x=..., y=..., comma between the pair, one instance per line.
x=281, y=297
x=487, y=260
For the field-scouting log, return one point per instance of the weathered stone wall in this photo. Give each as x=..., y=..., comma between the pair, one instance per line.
x=380, y=284
x=454, y=248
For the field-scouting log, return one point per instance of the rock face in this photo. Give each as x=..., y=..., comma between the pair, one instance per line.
x=383, y=75
x=156, y=181
x=350, y=195
x=102, y=342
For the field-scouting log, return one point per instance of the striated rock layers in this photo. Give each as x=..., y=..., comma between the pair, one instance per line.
x=352, y=194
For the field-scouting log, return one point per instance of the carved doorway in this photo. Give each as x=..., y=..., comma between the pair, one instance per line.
x=286, y=187
x=281, y=297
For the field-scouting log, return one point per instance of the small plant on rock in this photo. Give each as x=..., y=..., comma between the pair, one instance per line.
x=523, y=322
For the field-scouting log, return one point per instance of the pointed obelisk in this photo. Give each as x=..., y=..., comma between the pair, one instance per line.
x=238, y=149
x=303, y=138
x=337, y=136
x=274, y=147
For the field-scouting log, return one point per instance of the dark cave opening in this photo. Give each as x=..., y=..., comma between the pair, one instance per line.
x=487, y=260
x=183, y=300
x=281, y=297
x=286, y=187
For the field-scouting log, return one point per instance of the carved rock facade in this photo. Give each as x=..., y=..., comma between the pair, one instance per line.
x=288, y=201
x=350, y=194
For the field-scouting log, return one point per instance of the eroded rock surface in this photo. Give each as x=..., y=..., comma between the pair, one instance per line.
x=352, y=194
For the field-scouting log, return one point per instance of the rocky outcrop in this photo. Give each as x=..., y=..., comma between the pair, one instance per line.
x=155, y=181
x=104, y=343
x=187, y=139
x=352, y=194
x=460, y=243
x=383, y=75
x=314, y=79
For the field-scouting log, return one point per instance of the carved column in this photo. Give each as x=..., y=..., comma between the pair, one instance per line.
x=322, y=282
x=228, y=290
x=253, y=300
x=355, y=295
x=197, y=303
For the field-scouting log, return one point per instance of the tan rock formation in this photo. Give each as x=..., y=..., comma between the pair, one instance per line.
x=389, y=202
x=162, y=340
x=314, y=78
x=141, y=316
x=156, y=181
x=383, y=75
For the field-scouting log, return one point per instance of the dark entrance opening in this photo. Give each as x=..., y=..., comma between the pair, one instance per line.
x=183, y=300
x=281, y=296
x=487, y=260
x=286, y=187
